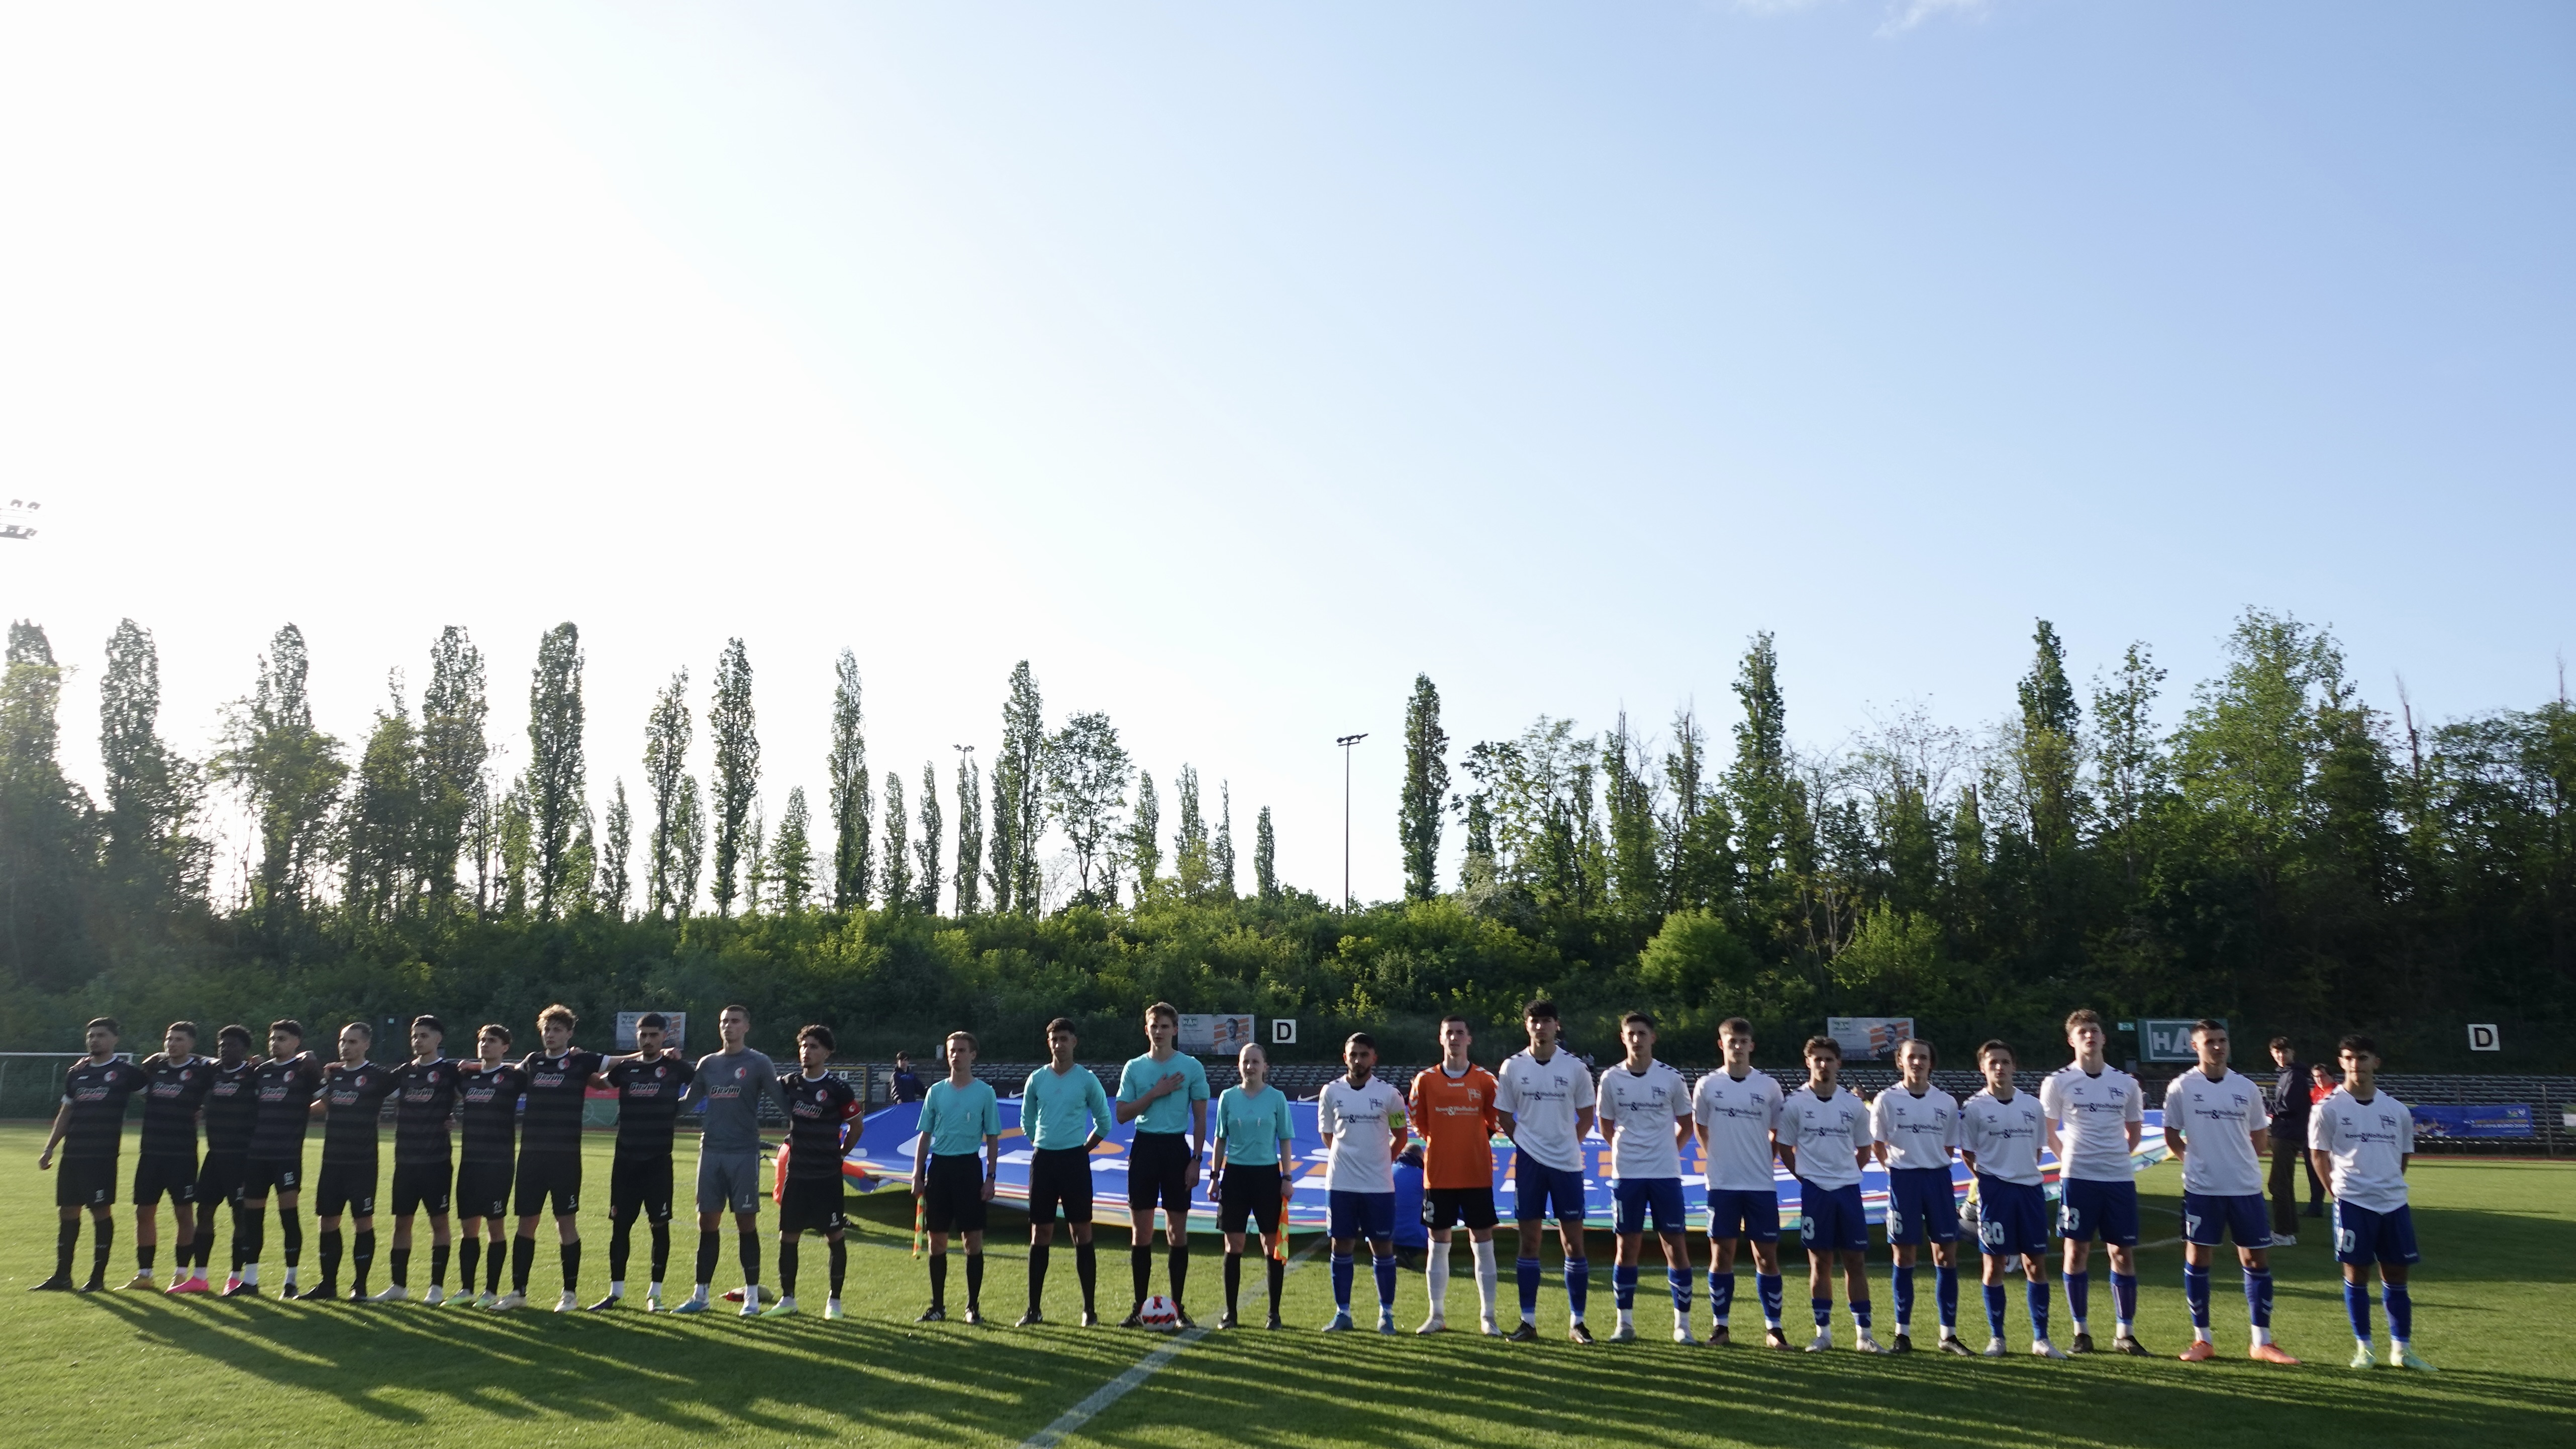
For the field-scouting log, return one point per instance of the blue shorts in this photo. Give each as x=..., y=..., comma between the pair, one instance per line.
x=2012, y=1218
x=1737, y=1214
x=1663, y=1194
x=1832, y=1220
x=1921, y=1206
x=2205, y=1218
x=1369, y=1215
x=2088, y=1208
x=2363, y=1236
x=1537, y=1187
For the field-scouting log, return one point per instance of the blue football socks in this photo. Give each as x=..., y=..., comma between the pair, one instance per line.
x=1945, y=1292
x=2258, y=1296
x=2401, y=1311
x=1527, y=1270
x=1578, y=1283
x=1721, y=1295
x=2195, y=1292
x=1775, y=1297
x=1623, y=1285
x=1342, y=1281
x=1995, y=1309
x=2356, y=1306
x=1904, y=1295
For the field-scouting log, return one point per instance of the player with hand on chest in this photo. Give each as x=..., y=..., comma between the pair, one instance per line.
x=1824, y=1138
x=1646, y=1114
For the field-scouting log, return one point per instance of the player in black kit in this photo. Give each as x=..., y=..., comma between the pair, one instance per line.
x=231, y=1107
x=648, y=1084
x=93, y=1118
x=285, y=1085
x=488, y=1091
x=424, y=1164
x=558, y=1078
x=353, y=1094
x=819, y=1105
x=168, y=1162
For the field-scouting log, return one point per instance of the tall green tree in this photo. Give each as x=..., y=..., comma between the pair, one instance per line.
x=518, y=852
x=732, y=732
x=1019, y=796
x=970, y=833
x=557, y=774
x=1221, y=848
x=617, y=854
x=1426, y=790
x=1190, y=867
x=454, y=753
x=793, y=857
x=926, y=861
x=385, y=825
x=1265, y=857
x=44, y=823
x=688, y=847
x=153, y=794
x=666, y=776
x=896, y=887
x=1086, y=774
x=289, y=775
x=1145, y=837
x=2128, y=757
x=853, y=868
x=1636, y=865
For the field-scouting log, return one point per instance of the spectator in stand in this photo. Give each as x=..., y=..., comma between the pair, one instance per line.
x=2322, y=1083
x=2290, y=1104
x=907, y=1087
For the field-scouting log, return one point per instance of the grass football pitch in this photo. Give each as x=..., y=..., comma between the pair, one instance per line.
x=138, y=1368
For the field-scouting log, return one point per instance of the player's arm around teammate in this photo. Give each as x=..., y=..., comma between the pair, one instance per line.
x=176, y=1083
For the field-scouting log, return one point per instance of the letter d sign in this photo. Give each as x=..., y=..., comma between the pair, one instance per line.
x=2483, y=1038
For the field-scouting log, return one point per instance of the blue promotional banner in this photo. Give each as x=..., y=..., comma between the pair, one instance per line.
x=881, y=1156
x=2508, y=1119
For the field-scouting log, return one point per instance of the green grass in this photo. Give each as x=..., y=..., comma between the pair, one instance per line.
x=131, y=1368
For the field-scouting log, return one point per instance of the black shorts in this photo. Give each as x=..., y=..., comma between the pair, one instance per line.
x=220, y=1176
x=483, y=1190
x=421, y=1187
x=640, y=1184
x=156, y=1173
x=1446, y=1207
x=1158, y=1172
x=558, y=1177
x=345, y=1187
x=261, y=1174
x=1250, y=1194
x=813, y=1205
x=952, y=1198
x=1060, y=1177
x=85, y=1182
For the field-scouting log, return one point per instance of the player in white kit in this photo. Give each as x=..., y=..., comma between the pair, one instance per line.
x=1735, y=1110
x=1361, y=1119
x=2359, y=1140
x=1916, y=1125
x=2216, y=1123
x=2096, y=1113
x=1645, y=1112
x=1543, y=1099
x=1824, y=1137
x=1999, y=1135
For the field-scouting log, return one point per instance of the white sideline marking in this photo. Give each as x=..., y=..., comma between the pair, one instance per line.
x=1145, y=1368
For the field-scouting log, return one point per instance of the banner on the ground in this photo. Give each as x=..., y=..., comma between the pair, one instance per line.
x=2506, y=1119
x=1868, y=1038
x=881, y=1156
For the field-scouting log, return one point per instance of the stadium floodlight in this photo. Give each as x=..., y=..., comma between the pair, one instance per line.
x=18, y=520
x=1346, y=741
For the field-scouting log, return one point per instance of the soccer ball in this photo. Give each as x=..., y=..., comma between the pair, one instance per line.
x=1160, y=1314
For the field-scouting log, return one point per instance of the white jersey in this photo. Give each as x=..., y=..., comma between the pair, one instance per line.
x=1919, y=1131
x=1738, y=1118
x=2003, y=1136
x=1543, y=1098
x=2217, y=1121
x=1828, y=1133
x=2369, y=1142
x=2093, y=1110
x=1361, y=1121
x=1647, y=1107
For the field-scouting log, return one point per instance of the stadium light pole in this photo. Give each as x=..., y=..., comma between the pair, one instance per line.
x=1346, y=741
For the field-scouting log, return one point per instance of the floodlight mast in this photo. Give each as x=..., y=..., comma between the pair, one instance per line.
x=1346, y=741
x=18, y=520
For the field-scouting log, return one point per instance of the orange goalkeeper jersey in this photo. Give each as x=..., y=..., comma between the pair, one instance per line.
x=1456, y=1117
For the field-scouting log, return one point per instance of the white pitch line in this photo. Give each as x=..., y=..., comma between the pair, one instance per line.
x=1144, y=1368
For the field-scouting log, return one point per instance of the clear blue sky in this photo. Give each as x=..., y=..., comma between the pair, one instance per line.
x=1234, y=363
